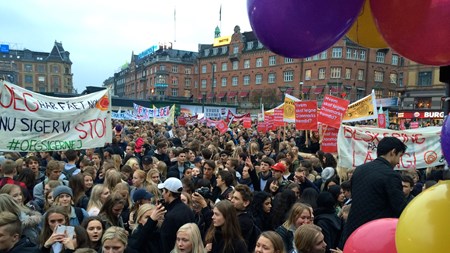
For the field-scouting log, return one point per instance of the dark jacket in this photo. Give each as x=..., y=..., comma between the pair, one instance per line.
x=376, y=193
x=145, y=239
x=287, y=236
x=173, y=170
x=250, y=232
x=218, y=244
x=24, y=245
x=331, y=226
x=177, y=215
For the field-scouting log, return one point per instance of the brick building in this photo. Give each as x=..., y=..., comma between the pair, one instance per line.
x=38, y=71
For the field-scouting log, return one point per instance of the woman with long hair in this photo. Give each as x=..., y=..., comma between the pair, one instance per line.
x=76, y=183
x=188, y=240
x=281, y=205
x=111, y=211
x=99, y=195
x=269, y=242
x=115, y=239
x=94, y=228
x=139, y=180
x=153, y=177
x=88, y=183
x=63, y=196
x=299, y=214
x=112, y=178
x=145, y=236
x=309, y=239
x=261, y=208
x=272, y=187
x=224, y=234
x=50, y=239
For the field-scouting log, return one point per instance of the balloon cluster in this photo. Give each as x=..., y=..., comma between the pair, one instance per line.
x=422, y=227
x=418, y=30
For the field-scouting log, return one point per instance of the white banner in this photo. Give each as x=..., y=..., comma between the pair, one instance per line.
x=358, y=145
x=33, y=122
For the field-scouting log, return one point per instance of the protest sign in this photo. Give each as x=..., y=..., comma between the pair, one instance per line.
x=222, y=126
x=306, y=115
x=31, y=122
x=358, y=145
x=278, y=117
x=262, y=127
x=247, y=122
x=329, y=140
x=363, y=109
x=332, y=111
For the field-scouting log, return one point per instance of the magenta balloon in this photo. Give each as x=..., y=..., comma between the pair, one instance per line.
x=301, y=28
x=373, y=237
x=418, y=30
x=445, y=138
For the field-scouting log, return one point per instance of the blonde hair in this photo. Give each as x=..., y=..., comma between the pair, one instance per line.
x=305, y=237
x=141, y=211
x=296, y=210
x=131, y=161
x=162, y=168
x=123, y=187
x=194, y=236
x=141, y=174
x=94, y=200
x=148, y=179
x=116, y=233
x=112, y=178
x=117, y=160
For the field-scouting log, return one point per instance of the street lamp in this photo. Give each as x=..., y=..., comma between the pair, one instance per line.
x=283, y=90
x=213, y=66
x=301, y=89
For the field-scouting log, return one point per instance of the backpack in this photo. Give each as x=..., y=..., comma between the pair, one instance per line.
x=79, y=214
x=69, y=173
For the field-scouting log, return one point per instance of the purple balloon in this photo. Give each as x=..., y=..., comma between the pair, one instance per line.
x=301, y=28
x=445, y=139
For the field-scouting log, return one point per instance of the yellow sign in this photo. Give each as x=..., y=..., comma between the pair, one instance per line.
x=288, y=108
x=221, y=41
x=363, y=109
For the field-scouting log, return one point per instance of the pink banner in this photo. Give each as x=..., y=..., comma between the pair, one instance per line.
x=306, y=115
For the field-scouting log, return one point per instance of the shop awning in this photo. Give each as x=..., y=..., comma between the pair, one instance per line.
x=318, y=90
x=210, y=95
x=305, y=90
x=360, y=88
x=334, y=89
x=200, y=97
x=290, y=91
x=243, y=94
x=221, y=94
x=348, y=87
x=232, y=94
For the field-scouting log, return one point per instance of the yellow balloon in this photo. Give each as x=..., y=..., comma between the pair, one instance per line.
x=424, y=225
x=364, y=31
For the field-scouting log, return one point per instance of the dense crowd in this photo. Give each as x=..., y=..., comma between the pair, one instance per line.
x=158, y=188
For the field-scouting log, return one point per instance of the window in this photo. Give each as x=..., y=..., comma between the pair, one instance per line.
x=400, y=79
x=335, y=72
x=316, y=57
x=175, y=92
x=323, y=55
x=187, y=71
x=224, y=81
x=393, y=78
x=224, y=66
x=308, y=74
x=260, y=45
x=249, y=45
x=214, y=82
x=41, y=68
x=174, y=81
x=224, y=49
x=246, y=80
x=162, y=67
x=395, y=59
x=196, y=84
x=174, y=69
x=55, y=69
x=187, y=82
x=424, y=78
x=363, y=55
x=360, y=74
x=378, y=93
x=56, y=81
x=196, y=70
x=235, y=49
x=348, y=73
x=259, y=62
x=288, y=76
x=308, y=59
x=271, y=78
x=206, y=52
x=321, y=73
x=235, y=65
x=203, y=69
x=337, y=52
x=42, y=89
x=215, y=50
x=288, y=60
x=203, y=83
x=258, y=79
x=28, y=79
x=272, y=60
x=378, y=76
x=28, y=67
x=214, y=67
x=356, y=55
x=349, y=53
x=246, y=64
x=380, y=57
x=423, y=102
x=41, y=79
x=234, y=81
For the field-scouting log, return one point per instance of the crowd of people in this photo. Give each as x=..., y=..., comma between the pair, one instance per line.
x=158, y=188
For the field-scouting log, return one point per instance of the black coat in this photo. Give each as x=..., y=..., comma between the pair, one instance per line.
x=287, y=236
x=376, y=193
x=24, y=245
x=177, y=215
x=145, y=239
x=331, y=226
x=218, y=244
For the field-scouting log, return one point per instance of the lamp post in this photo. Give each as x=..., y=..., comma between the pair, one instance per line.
x=283, y=89
x=213, y=64
x=301, y=89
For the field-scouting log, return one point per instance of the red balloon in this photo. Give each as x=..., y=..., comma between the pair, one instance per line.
x=373, y=237
x=418, y=30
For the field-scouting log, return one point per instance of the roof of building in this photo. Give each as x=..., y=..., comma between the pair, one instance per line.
x=58, y=53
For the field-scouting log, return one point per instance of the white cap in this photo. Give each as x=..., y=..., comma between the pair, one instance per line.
x=172, y=184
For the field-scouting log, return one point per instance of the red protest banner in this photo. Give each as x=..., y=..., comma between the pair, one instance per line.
x=247, y=122
x=306, y=115
x=222, y=126
x=268, y=119
x=262, y=127
x=332, y=111
x=182, y=121
x=381, y=120
x=278, y=115
x=329, y=140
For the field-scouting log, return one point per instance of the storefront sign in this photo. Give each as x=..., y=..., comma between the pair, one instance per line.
x=421, y=115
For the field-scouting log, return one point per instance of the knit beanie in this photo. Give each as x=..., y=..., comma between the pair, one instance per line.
x=62, y=189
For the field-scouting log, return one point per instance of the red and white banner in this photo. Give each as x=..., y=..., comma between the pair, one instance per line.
x=332, y=111
x=222, y=126
x=306, y=115
x=278, y=115
x=358, y=145
x=236, y=117
x=262, y=127
x=268, y=119
x=247, y=122
x=329, y=140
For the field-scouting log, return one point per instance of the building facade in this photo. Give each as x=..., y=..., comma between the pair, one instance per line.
x=38, y=71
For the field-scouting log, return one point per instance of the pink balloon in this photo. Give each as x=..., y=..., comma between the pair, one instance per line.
x=373, y=237
x=418, y=30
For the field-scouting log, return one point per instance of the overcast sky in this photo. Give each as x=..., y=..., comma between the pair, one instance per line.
x=101, y=34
